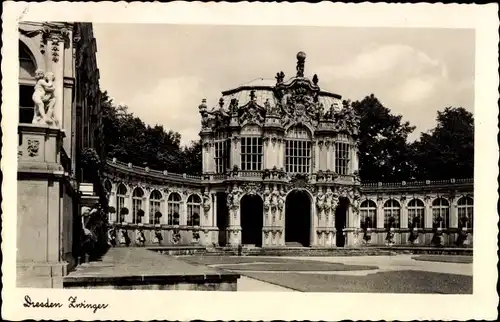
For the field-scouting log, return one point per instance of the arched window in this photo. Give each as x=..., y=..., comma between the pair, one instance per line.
x=174, y=208
x=193, y=210
x=416, y=213
x=466, y=211
x=137, y=211
x=27, y=68
x=392, y=209
x=368, y=209
x=441, y=210
x=121, y=194
x=155, y=207
x=298, y=150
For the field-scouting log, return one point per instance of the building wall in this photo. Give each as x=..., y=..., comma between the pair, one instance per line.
x=323, y=218
x=48, y=186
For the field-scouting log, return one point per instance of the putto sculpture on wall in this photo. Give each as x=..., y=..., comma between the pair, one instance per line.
x=44, y=98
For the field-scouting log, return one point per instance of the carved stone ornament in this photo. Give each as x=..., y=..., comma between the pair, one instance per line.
x=44, y=98
x=33, y=147
x=53, y=33
x=251, y=188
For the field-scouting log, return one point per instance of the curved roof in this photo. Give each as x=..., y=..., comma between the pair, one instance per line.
x=263, y=90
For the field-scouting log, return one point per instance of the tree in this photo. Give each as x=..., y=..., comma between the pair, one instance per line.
x=447, y=151
x=129, y=139
x=191, y=158
x=384, y=153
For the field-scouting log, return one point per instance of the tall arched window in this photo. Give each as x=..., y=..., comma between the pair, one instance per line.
x=155, y=207
x=466, y=210
x=392, y=209
x=368, y=209
x=137, y=211
x=121, y=194
x=441, y=209
x=416, y=209
x=298, y=150
x=174, y=208
x=27, y=68
x=193, y=210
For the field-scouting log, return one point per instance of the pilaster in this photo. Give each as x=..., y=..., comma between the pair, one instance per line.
x=380, y=212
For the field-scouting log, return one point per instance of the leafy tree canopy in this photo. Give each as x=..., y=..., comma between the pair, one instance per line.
x=384, y=154
x=447, y=151
x=128, y=139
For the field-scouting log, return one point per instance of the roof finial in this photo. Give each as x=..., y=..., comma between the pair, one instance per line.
x=252, y=95
x=301, y=58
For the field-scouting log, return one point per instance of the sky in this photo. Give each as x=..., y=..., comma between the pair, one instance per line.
x=162, y=72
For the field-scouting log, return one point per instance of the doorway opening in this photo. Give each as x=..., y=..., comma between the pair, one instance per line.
x=341, y=221
x=252, y=213
x=298, y=219
x=222, y=217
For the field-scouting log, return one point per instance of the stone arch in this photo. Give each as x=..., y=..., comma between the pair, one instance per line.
x=307, y=191
x=392, y=208
x=299, y=212
x=300, y=124
x=34, y=50
x=193, y=209
x=251, y=218
x=341, y=219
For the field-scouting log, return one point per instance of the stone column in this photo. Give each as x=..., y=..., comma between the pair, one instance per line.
x=355, y=160
x=214, y=210
x=327, y=155
x=145, y=219
x=212, y=156
x=206, y=157
x=128, y=204
x=316, y=156
x=428, y=212
x=404, y=213
x=235, y=153
x=380, y=212
x=453, y=213
x=312, y=224
x=112, y=203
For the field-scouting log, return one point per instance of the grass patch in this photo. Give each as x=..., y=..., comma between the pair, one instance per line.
x=309, y=266
x=444, y=258
x=384, y=282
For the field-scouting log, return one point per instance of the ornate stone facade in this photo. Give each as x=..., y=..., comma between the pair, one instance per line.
x=280, y=169
x=54, y=100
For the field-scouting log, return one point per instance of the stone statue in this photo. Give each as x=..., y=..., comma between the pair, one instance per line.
x=44, y=98
x=280, y=77
x=267, y=198
x=281, y=199
x=320, y=199
x=328, y=197
x=301, y=58
x=206, y=201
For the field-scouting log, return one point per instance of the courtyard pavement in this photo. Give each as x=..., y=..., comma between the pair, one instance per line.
x=439, y=274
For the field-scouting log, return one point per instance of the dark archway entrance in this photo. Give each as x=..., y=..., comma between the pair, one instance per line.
x=222, y=217
x=251, y=214
x=298, y=219
x=341, y=221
